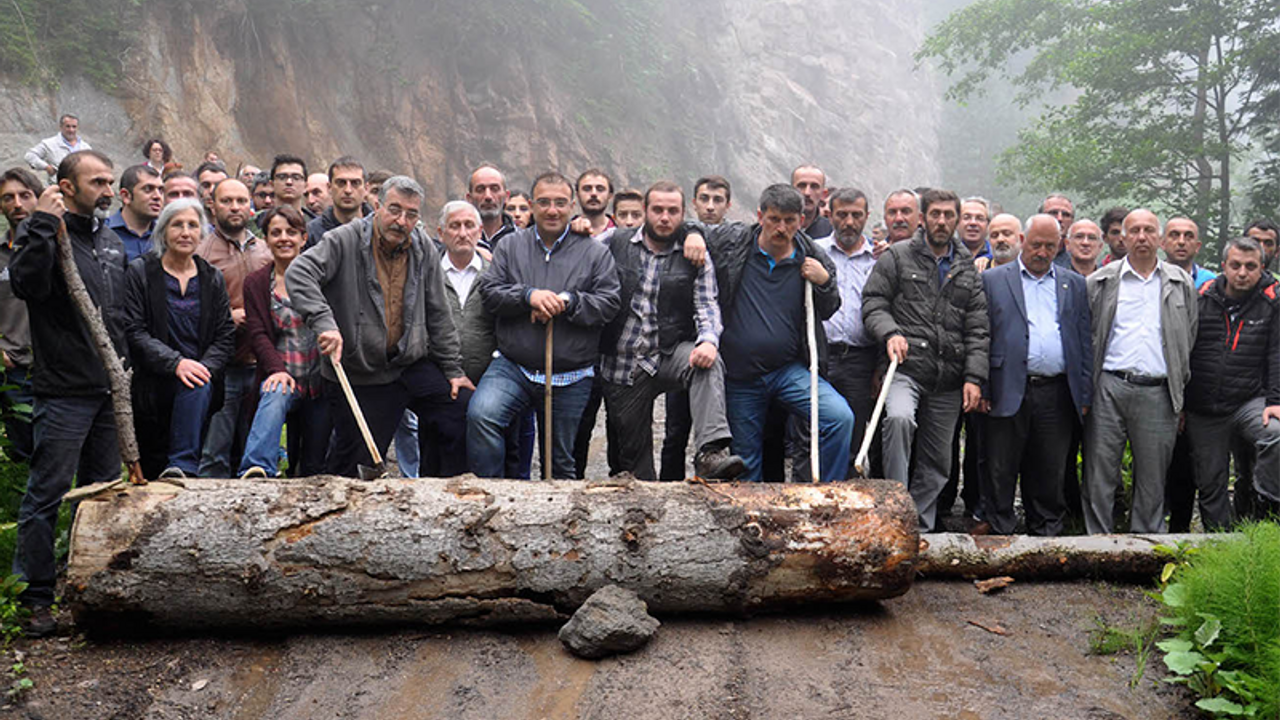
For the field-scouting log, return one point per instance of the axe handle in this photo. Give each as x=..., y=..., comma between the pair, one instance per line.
x=546, y=405
x=860, y=462
x=355, y=410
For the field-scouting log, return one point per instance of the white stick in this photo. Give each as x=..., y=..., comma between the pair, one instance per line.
x=811, y=321
x=860, y=462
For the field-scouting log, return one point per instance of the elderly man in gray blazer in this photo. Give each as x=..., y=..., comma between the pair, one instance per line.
x=1144, y=323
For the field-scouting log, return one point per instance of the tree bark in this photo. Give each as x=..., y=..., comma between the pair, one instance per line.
x=332, y=551
x=117, y=375
x=1127, y=558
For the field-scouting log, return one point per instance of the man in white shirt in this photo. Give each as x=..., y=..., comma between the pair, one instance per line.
x=460, y=232
x=48, y=153
x=1144, y=323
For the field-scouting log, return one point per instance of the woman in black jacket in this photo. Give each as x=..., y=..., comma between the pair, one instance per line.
x=177, y=319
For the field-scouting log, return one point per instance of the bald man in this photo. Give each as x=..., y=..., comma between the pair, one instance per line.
x=1041, y=381
x=1144, y=323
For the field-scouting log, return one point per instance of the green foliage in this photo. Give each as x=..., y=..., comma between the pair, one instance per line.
x=1108, y=639
x=1225, y=601
x=12, y=612
x=44, y=40
x=1164, y=93
x=19, y=683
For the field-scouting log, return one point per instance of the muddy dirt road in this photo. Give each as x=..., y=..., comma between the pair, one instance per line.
x=914, y=657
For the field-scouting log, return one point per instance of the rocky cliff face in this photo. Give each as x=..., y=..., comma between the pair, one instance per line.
x=646, y=89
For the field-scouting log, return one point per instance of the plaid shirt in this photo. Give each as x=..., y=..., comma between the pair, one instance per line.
x=297, y=345
x=638, y=346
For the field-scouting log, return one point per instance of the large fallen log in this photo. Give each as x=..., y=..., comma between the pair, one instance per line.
x=334, y=551
x=1127, y=558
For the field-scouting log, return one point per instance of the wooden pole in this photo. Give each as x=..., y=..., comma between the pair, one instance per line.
x=546, y=403
x=815, y=461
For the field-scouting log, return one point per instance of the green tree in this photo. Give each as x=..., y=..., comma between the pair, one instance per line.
x=1167, y=93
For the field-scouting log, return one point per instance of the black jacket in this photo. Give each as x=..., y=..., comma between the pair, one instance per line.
x=580, y=266
x=945, y=324
x=146, y=321
x=1235, y=360
x=677, y=279
x=508, y=227
x=731, y=244
x=66, y=361
x=323, y=223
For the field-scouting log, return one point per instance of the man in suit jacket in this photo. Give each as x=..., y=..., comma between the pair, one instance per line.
x=1144, y=323
x=1041, y=380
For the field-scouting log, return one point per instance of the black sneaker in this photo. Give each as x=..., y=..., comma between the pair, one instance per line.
x=41, y=622
x=717, y=464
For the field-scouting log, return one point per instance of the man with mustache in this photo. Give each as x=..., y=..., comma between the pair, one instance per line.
x=487, y=191
x=1005, y=235
x=141, y=199
x=76, y=428
x=924, y=301
x=237, y=253
x=19, y=189
x=812, y=184
x=373, y=291
x=666, y=336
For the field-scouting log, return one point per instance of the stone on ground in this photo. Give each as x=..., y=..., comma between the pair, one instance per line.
x=613, y=620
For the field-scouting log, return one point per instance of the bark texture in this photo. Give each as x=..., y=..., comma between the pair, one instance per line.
x=335, y=551
x=120, y=378
x=1128, y=558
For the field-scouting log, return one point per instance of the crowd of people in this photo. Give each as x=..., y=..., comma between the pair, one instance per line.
x=241, y=299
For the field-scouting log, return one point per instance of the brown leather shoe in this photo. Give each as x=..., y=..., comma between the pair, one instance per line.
x=982, y=528
x=41, y=622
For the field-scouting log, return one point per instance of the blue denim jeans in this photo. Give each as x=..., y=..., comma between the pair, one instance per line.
x=186, y=425
x=74, y=437
x=747, y=401
x=309, y=430
x=239, y=382
x=408, y=454
x=502, y=397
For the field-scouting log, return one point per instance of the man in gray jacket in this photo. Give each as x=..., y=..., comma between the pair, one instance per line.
x=373, y=292
x=924, y=301
x=1145, y=315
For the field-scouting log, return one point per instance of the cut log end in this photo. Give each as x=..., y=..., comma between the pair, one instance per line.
x=334, y=551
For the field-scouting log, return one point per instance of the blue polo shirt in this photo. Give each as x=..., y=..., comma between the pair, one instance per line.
x=135, y=245
x=764, y=329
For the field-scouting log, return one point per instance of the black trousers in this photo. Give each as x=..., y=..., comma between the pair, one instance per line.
x=851, y=371
x=675, y=440
x=586, y=427
x=974, y=465
x=1032, y=443
x=1180, y=486
x=422, y=388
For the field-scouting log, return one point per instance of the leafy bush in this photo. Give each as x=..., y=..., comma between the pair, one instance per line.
x=1225, y=601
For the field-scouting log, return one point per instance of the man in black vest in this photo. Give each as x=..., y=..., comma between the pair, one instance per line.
x=664, y=337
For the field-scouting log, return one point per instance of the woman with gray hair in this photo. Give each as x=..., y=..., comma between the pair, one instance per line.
x=178, y=323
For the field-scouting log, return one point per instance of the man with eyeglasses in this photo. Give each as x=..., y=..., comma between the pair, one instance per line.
x=1062, y=210
x=1084, y=244
x=289, y=180
x=373, y=292
x=347, y=192
x=539, y=274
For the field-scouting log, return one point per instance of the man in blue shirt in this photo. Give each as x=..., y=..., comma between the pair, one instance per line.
x=141, y=198
x=1040, y=383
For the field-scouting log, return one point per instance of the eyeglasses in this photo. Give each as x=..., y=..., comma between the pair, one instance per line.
x=396, y=211
x=290, y=177
x=559, y=203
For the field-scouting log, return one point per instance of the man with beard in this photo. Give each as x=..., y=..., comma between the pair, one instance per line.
x=761, y=271
x=374, y=292
x=347, y=190
x=236, y=252
x=1005, y=236
x=264, y=194
x=851, y=353
x=540, y=273
x=712, y=198
x=1084, y=243
x=975, y=217
x=812, y=184
x=924, y=301
x=487, y=191
x=595, y=192
x=1112, y=224
x=316, y=196
x=19, y=189
x=74, y=423
x=666, y=336
x=141, y=199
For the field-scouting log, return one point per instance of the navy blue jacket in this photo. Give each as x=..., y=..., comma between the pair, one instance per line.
x=1007, y=310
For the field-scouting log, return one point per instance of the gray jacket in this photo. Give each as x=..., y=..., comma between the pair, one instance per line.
x=334, y=286
x=1179, y=320
x=475, y=326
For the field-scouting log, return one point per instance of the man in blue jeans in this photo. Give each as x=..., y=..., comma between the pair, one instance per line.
x=539, y=274
x=75, y=430
x=761, y=270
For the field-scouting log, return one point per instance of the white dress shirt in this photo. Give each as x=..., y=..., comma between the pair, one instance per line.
x=461, y=280
x=1136, y=343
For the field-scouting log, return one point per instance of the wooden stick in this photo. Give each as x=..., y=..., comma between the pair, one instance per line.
x=355, y=410
x=119, y=378
x=546, y=405
x=811, y=321
x=860, y=463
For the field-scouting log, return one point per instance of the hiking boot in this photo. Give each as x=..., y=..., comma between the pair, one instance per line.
x=716, y=463
x=253, y=472
x=173, y=472
x=41, y=622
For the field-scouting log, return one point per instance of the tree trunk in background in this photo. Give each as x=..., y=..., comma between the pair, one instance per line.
x=332, y=551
